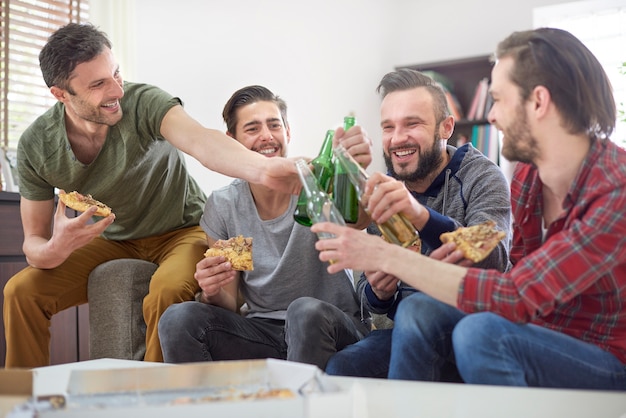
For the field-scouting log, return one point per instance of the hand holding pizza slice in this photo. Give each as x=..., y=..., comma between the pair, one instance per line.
x=81, y=203
x=476, y=242
x=237, y=250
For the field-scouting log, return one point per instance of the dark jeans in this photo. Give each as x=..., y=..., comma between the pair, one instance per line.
x=366, y=358
x=313, y=331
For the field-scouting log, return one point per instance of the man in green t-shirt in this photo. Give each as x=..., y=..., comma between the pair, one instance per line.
x=121, y=143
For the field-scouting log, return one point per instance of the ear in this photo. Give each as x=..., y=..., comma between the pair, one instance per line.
x=446, y=127
x=230, y=134
x=541, y=99
x=58, y=93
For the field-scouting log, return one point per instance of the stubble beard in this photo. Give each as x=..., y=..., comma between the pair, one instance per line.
x=93, y=114
x=519, y=144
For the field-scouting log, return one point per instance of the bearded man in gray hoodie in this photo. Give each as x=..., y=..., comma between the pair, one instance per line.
x=439, y=188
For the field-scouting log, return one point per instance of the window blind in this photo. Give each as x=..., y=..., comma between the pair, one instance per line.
x=24, y=30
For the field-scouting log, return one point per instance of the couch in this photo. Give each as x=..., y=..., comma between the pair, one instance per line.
x=116, y=326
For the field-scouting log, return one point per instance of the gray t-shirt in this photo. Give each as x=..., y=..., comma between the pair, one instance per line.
x=286, y=263
x=140, y=175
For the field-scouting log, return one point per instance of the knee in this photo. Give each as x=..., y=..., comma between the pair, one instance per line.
x=163, y=293
x=475, y=329
x=306, y=310
x=418, y=310
x=10, y=289
x=339, y=364
x=177, y=318
x=19, y=286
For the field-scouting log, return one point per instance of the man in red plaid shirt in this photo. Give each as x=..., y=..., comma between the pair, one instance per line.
x=558, y=317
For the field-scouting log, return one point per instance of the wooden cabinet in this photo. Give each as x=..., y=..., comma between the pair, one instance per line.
x=69, y=328
x=464, y=75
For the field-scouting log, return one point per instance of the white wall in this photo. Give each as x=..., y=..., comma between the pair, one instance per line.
x=427, y=31
x=324, y=58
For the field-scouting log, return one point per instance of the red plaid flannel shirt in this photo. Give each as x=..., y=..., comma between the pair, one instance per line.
x=574, y=281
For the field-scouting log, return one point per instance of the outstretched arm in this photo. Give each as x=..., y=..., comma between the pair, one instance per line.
x=359, y=251
x=218, y=152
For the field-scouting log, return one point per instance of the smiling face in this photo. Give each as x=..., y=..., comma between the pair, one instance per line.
x=412, y=139
x=94, y=91
x=510, y=116
x=260, y=128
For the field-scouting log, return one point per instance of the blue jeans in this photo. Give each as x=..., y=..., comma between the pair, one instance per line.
x=492, y=350
x=421, y=341
x=313, y=331
x=366, y=358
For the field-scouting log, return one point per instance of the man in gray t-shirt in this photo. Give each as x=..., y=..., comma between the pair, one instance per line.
x=294, y=309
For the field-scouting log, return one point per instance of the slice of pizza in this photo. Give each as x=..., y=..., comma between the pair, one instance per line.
x=81, y=203
x=476, y=241
x=237, y=250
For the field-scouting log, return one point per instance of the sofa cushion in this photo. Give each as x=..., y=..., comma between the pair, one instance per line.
x=116, y=291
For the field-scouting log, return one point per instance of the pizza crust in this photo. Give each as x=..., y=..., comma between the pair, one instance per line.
x=233, y=394
x=81, y=203
x=476, y=242
x=237, y=250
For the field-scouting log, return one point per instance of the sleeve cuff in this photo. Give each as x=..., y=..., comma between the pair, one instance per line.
x=437, y=224
x=375, y=302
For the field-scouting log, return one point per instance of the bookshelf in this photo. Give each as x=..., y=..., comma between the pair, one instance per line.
x=464, y=75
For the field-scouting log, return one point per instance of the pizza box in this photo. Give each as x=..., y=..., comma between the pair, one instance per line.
x=16, y=387
x=220, y=389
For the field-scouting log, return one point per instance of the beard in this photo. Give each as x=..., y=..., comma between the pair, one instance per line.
x=90, y=113
x=429, y=161
x=518, y=144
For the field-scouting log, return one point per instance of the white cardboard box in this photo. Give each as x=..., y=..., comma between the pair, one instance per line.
x=184, y=389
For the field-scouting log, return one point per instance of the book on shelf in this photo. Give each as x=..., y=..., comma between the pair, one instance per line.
x=485, y=139
x=453, y=105
x=479, y=100
x=448, y=88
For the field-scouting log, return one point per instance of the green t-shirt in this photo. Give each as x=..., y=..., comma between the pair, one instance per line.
x=140, y=175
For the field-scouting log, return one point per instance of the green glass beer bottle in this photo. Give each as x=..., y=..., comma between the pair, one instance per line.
x=344, y=194
x=398, y=229
x=323, y=170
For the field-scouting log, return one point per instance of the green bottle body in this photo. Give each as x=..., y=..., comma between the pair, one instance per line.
x=397, y=229
x=323, y=169
x=345, y=195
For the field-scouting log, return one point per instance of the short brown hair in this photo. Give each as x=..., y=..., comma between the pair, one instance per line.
x=407, y=79
x=67, y=47
x=246, y=96
x=578, y=84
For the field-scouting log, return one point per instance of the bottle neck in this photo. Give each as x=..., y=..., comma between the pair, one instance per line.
x=326, y=152
x=348, y=122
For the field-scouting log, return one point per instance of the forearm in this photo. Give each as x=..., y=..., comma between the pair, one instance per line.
x=212, y=148
x=223, y=299
x=229, y=157
x=226, y=297
x=435, y=278
x=45, y=253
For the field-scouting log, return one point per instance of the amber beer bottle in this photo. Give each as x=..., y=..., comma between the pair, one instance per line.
x=323, y=171
x=398, y=229
x=344, y=193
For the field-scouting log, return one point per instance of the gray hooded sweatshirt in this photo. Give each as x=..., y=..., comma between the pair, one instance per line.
x=470, y=190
